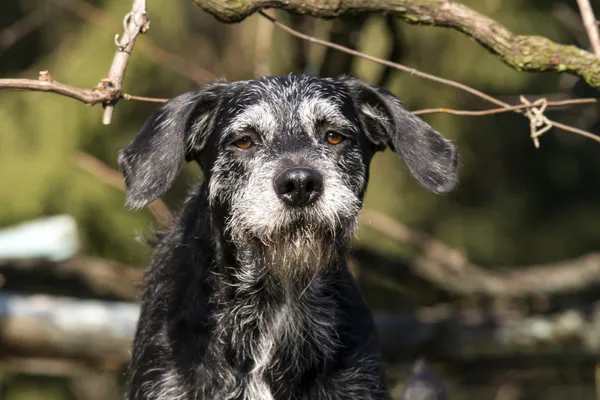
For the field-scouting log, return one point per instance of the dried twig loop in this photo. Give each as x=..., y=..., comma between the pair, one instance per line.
x=538, y=122
x=134, y=23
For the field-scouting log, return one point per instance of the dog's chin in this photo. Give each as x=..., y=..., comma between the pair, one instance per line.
x=300, y=246
x=298, y=254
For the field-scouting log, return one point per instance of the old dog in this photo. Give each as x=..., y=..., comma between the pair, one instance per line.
x=249, y=295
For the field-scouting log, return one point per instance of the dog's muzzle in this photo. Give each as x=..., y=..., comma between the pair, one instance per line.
x=298, y=187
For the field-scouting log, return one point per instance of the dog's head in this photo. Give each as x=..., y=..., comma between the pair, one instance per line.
x=286, y=157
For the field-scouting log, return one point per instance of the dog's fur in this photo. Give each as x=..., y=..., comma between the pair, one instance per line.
x=248, y=297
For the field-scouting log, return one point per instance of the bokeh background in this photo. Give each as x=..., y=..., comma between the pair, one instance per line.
x=515, y=207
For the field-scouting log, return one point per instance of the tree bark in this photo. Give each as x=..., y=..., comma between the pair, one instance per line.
x=523, y=53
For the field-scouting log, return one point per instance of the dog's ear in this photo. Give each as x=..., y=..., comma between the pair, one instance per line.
x=152, y=161
x=428, y=156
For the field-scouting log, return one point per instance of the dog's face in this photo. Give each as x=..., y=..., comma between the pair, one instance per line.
x=286, y=157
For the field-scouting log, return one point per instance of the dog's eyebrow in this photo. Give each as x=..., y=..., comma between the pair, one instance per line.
x=313, y=111
x=259, y=117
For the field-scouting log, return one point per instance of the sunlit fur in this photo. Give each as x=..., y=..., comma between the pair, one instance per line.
x=249, y=298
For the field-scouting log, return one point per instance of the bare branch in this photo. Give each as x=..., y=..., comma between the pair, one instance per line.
x=589, y=21
x=524, y=53
x=448, y=268
x=134, y=23
x=412, y=71
x=502, y=110
x=45, y=83
x=577, y=131
x=175, y=62
x=534, y=133
x=142, y=98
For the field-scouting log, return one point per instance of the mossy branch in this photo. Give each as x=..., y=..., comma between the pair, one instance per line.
x=523, y=53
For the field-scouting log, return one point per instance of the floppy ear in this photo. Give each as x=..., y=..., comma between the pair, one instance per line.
x=428, y=156
x=152, y=161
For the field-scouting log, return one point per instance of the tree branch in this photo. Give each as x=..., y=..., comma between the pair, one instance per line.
x=524, y=53
x=45, y=83
x=449, y=269
x=175, y=62
x=134, y=23
x=538, y=122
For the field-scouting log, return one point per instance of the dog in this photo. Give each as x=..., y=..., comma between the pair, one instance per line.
x=249, y=296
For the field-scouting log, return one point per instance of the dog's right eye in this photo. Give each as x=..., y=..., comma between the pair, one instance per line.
x=244, y=142
x=334, y=138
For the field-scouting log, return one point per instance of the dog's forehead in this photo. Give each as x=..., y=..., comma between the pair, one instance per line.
x=270, y=104
x=288, y=89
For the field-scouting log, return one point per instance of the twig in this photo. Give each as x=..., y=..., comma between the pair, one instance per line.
x=45, y=83
x=381, y=61
x=142, y=98
x=589, y=21
x=577, y=131
x=430, y=77
x=175, y=62
x=493, y=111
x=114, y=178
x=134, y=23
x=521, y=52
x=102, y=94
x=538, y=122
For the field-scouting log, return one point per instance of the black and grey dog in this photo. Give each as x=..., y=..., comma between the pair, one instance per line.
x=249, y=296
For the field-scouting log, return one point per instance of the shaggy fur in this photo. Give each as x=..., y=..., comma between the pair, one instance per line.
x=249, y=297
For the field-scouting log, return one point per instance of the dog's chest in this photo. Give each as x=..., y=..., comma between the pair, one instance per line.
x=282, y=342
x=274, y=334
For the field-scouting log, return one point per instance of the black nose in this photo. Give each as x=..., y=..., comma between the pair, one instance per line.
x=298, y=186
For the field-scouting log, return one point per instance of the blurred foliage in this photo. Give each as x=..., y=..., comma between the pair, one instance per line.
x=515, y=205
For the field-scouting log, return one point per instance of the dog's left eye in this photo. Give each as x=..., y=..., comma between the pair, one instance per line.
x=334, y=138
x=244, y=142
